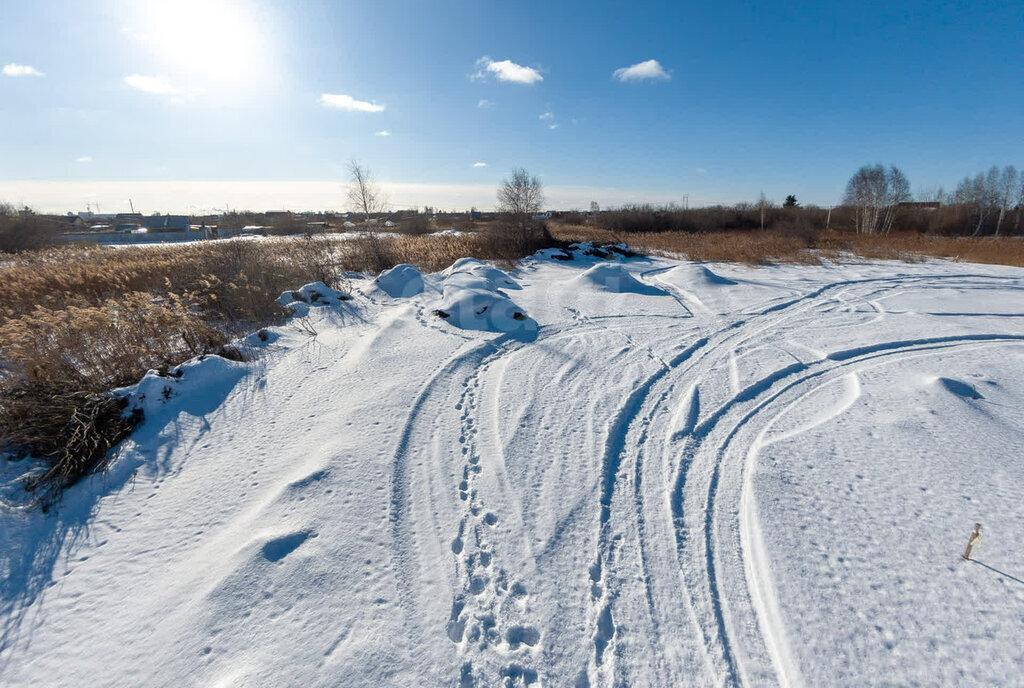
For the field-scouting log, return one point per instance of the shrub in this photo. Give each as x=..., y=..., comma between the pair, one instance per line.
x=78, y=321
x=24, y=230
x=414, y=224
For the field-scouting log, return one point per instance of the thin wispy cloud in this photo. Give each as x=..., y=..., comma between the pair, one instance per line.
x=479, y=164
x=84, y=158
x=641, y=71
x=13, y=69
x=547, y=115
x=157, y=85
x=383, y=132
x=485, y=104
x=341, y=101
x=553, y=126
x=701, y=170
x=506, y=70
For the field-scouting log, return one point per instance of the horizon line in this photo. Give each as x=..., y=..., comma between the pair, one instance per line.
x=194, y=196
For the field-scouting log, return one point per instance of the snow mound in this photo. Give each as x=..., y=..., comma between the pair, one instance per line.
x=707, y=276
x=197, y=387
x=614, y=278
x=312, y=294
x=401, y=281
x=470, y=272
x=479, y=309
x=472, y=299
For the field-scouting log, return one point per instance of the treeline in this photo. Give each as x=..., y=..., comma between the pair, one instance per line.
x=877, y=200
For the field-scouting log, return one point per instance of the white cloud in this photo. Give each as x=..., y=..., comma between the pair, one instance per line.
x=21, y=70
x=485, y=104
x=701, y=170
x=343, y=102
x=383, y=132
x=84, y=158
x=650, y=69
x=506, y=70
x=547, y=115
x=157, y=85
x=553, y=126
x=479, y=164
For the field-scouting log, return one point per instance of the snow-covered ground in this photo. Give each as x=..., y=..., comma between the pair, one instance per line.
x=591, y=472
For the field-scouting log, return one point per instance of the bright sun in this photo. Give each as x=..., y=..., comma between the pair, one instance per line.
x=214, y=42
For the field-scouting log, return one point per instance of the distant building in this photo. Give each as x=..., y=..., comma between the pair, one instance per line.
x=66, y=223
x=166, y=223
x=128, y=219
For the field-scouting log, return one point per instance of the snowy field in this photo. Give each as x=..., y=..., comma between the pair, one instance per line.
x=635, y=472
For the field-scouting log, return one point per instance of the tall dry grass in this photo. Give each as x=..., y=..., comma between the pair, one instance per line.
x=756, y=247
x=76, y=322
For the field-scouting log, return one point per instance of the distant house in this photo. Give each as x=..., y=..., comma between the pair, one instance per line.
x=166, y=223
x=135, y=219
x=66, y=223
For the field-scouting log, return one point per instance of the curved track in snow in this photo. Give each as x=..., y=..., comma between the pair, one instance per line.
x=676, y=526
x=598, y=503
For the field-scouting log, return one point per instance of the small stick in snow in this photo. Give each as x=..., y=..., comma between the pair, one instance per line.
x=975, y=536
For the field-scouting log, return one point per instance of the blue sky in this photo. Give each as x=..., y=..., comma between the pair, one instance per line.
x=194, y=105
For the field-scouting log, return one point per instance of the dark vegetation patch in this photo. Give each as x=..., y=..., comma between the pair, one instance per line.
x=79, y=321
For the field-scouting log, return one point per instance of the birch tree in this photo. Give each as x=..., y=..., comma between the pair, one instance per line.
x=364, y=196
x=1007, y=191
x=875, y=193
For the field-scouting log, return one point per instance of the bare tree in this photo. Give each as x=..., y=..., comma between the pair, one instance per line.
x=1019, y=205
x=875, y=193
x=762, y=203
x=981, y=194
x=1007, y=190
x=520, y=197
x=364, y=196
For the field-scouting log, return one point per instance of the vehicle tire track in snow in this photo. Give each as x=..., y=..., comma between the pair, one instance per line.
x=603, y=591
x=634, y=418
x=722, y=341
x=741, y=657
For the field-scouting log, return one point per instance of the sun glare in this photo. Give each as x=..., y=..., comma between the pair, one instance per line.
x=212, y=42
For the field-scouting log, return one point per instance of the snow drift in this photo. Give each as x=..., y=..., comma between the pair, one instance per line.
x=401, y=281
x=472, y=299
x=616, y=279
x=312, y=294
